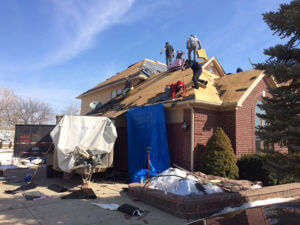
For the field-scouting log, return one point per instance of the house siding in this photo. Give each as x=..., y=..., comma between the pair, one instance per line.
x=103, y=95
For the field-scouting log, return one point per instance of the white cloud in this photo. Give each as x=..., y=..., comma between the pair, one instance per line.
x=85, y=19
x=76, y=25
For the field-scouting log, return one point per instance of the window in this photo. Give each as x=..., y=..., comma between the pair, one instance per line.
x=119, y=91
x=113, y=93
x=260, y=144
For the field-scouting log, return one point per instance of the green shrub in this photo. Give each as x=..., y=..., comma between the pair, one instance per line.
x=1, y=144
x=272, y=168
x=10, y=145
x=218, y=158
x=251, y=167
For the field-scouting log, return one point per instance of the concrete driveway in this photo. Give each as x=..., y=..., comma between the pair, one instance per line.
x=15, y=209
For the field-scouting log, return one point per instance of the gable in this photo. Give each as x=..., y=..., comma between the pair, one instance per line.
x=214, y=67
x=233, y=87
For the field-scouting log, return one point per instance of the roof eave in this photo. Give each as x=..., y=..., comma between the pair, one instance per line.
x=136, y=76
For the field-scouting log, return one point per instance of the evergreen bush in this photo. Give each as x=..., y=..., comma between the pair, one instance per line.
x=1, y=144
x=272, y=168
x=218, y=158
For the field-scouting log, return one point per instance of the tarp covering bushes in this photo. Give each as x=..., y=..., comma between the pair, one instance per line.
x=81, y=138
x=146, y=127
x=180, y=182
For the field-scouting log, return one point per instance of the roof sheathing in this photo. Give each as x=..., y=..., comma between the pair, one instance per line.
x=135, y=69
x=222, y=92
x=232, y=87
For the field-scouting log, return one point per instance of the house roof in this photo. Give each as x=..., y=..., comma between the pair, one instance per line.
x=221, y=90
x=145, y=66
x=232, y=87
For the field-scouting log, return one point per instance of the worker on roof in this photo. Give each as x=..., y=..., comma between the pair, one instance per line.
x=197, y=71
x=172, y=89
x=239, y=70
x=179, y=54
x=128, y=86
x=170, y=52
x=191, y=45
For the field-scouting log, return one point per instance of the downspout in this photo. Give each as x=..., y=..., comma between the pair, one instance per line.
x=192, y=135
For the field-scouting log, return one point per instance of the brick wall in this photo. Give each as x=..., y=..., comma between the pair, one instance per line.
x=280, y=149
x=245, y=122
x=206, y=122
x=227, y=122
x=203, y=206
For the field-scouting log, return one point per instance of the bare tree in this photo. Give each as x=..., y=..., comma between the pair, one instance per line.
x=30, y=111
x=17, y=110
x=72, y=109
x=8, y=101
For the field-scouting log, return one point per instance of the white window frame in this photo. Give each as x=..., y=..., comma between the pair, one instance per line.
x=113, y=93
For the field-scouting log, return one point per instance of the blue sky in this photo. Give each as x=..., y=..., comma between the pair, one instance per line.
x=54, y=50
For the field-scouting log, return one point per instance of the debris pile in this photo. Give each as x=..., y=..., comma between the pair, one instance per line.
x=180, y=182
x=183, y=182
x=230, y=185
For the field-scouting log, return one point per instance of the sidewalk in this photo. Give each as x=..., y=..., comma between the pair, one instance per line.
x=15, y=209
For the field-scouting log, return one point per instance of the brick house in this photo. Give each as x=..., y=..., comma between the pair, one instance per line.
x=229, y=101
x=113, y=86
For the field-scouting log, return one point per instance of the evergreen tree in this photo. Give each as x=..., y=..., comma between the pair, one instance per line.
x=218, y=158
x=282, y=110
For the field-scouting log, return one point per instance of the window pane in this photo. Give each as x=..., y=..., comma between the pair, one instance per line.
x=113, y=93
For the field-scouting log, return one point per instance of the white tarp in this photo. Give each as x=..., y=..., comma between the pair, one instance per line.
x=74, y=135
x=180, y=182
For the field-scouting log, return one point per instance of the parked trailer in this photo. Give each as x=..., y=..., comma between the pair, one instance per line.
x=83, y=145
x=32, y=140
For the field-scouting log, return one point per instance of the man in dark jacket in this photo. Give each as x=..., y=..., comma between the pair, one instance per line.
x=128, y=86
x=197, y=71
x=169, y=53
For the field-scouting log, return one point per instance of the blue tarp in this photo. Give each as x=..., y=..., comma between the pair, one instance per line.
x=146, y=127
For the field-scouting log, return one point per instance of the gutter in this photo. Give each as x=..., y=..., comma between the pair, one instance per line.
x=192, y=135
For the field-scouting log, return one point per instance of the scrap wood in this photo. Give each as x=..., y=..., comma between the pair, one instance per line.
x=57, y=188
x=84, y=193
x=21, y=188
x=192, y=173
x=226, y=184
